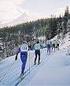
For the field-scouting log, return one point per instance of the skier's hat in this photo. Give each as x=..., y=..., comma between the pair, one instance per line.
x=24, y=42
x=37, y=41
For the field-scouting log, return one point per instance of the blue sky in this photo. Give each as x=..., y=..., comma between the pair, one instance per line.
x=10, y=9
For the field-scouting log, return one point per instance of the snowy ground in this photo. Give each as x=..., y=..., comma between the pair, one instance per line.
x=54, y=69
x=11, y=69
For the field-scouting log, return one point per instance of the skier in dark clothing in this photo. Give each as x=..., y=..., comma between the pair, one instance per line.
x=37, y=52
x=53, y=46
x=48, y=45
x=57, y=46
x=48, y=48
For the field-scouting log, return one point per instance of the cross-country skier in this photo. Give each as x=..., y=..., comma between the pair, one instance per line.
x=23, y=50
x=57, y=46
x=53, y=47
x=37, y=52
x=48, y=47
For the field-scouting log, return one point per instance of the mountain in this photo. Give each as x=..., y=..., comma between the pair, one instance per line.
x=23, y=18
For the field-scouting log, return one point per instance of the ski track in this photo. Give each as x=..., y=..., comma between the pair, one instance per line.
x=35, y=70
x=57, y=65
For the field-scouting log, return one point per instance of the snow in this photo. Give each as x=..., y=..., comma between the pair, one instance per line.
x=54, y=69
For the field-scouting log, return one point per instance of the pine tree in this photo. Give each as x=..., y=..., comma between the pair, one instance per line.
x=65, y=19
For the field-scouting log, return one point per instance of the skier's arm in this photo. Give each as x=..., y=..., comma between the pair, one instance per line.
x=17, y=54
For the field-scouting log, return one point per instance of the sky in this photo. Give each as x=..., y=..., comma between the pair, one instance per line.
x=11, y=9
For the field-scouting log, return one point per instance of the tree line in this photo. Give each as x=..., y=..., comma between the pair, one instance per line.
x=48, y=27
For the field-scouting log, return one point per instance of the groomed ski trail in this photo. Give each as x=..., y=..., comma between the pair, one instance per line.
x=55, y=71
x=11, y=69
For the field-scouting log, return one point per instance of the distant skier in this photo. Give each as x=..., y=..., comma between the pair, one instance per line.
x=57, y=46
x=37, y=52
x=53, y=47
x=68, y=50
x=29, y=46
x=23, y=50
x=48, y=47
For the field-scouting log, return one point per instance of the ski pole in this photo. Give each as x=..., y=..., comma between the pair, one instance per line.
x=29, y=61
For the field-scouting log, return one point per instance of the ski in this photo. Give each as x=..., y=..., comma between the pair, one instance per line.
x=26, y=73
x=21, y=78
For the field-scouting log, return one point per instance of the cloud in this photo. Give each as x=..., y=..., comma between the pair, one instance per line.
x=8, y=9
x=14, y=1
x=18, y=1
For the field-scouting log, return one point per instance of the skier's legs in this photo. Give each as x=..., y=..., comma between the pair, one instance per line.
x=23, y=68
x=35, y=57
x=39, y=57
x=58, y=47
x=23, y=59
x=54, y=49
x=48, y=50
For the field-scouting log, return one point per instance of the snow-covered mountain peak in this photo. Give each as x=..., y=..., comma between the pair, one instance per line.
x=23, y=18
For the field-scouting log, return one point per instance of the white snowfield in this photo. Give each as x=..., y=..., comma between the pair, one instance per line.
x=54, y=69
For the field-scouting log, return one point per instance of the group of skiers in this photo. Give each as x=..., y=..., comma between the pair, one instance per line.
x=52, y=47
x=23, y=50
